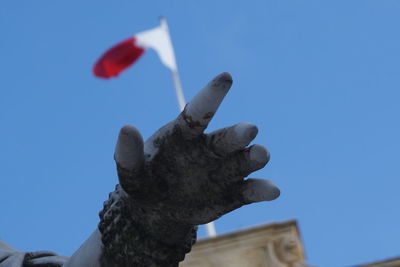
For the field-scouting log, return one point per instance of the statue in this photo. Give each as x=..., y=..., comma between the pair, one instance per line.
x=177, y=179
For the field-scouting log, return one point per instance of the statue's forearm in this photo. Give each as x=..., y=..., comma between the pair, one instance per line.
x=129, y=235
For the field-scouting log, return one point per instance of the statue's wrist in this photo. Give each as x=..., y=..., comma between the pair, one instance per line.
x=139, y=235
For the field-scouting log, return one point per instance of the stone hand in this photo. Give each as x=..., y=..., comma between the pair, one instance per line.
x=188, y=176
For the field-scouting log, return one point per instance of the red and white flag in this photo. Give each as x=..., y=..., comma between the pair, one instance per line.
x=122, y=55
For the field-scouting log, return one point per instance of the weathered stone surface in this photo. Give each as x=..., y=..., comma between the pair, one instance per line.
x=179, y=178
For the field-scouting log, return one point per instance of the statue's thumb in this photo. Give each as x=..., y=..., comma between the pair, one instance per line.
x=129, y=153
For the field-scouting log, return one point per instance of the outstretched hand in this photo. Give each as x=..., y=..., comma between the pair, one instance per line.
x=194, y=177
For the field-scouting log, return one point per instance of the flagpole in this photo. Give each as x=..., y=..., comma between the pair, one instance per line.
x=178, y=90
x=174, y=69
x=210, y=227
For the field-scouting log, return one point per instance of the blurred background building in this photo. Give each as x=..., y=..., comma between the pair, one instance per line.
x=269, y=245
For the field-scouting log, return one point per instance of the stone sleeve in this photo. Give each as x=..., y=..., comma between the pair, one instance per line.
x=134, y=234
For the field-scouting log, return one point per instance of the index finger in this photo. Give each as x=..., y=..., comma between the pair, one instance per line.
x=199, y=112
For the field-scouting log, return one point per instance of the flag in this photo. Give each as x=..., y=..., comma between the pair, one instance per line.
x=124, y=54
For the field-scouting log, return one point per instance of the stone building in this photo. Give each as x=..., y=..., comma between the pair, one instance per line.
x=395, y=262
x=270, y=245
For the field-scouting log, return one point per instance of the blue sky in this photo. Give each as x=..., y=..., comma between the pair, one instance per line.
x=319, y=78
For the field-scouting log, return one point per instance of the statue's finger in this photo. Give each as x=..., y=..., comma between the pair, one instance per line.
x=245, y=192
x=257, y=157
x=256, y=190
x=250, y=191
x=229, y=139
x=129, y=153
x=199, y=112
x=242, y=163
